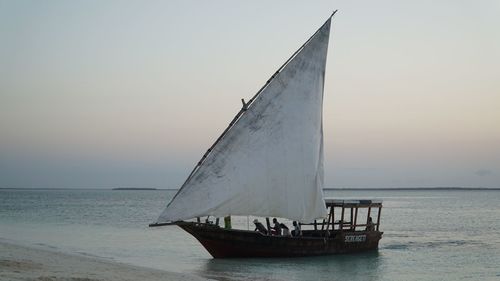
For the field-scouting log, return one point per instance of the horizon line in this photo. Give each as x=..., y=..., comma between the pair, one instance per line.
x=329, y=188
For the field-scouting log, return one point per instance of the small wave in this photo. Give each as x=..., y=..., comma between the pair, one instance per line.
x=96, y=256
x=433, y=244
x=46, y=246
x=89, y=255
x=399, y=235
x=236, y=277
x=438, y=244
x=395, y=247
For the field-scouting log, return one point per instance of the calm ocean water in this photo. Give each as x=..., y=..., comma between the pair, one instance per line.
x=428, y=235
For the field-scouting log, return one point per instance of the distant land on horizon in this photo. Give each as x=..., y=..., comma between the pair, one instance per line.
x=134, y=188
x=414, y=188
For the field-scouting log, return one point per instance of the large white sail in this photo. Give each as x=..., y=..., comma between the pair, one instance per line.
x=270, y=162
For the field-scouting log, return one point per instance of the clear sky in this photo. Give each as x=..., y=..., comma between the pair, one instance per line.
x=132, y=93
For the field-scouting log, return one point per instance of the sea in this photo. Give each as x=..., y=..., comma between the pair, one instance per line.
x=428, y=235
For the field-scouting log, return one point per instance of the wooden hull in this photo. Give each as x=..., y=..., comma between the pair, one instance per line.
x=233, y=243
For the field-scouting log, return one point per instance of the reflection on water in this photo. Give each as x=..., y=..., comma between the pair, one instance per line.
x=362, y=266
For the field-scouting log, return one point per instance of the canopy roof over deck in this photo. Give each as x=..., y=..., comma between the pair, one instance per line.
x=348, y=203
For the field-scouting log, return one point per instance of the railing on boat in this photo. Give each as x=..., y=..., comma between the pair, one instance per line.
x=349, y=220
x=347, y=212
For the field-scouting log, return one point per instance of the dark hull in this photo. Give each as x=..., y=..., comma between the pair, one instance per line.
x=233, y=243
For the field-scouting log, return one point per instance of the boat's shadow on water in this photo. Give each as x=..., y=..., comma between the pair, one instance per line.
x=365, y=266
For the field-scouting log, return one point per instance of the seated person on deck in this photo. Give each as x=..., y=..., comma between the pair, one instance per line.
x=370, y=226
x=296, y=229
x=259, y=227
x=284, y=229
x=276, y=229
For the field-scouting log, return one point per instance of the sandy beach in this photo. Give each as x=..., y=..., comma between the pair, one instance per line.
x=28, y=263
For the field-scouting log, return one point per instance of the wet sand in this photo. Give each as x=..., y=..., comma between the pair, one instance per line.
x=28, y=263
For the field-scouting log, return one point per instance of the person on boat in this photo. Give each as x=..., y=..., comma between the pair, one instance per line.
x=296, y=229
x=227, y=222
x=259, y=227
x=276, y=229
x=284, y=230
x=370, y=226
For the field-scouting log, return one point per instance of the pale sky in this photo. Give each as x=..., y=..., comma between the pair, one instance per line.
x=131, y=93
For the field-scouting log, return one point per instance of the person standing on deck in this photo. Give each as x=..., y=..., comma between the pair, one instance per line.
x=259, y=227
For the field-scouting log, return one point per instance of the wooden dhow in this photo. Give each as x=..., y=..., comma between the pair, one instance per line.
x=269, y=163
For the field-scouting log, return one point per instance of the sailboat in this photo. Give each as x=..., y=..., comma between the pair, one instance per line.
x=269, y=163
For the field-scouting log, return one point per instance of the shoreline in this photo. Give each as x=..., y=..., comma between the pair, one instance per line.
x=20, y=262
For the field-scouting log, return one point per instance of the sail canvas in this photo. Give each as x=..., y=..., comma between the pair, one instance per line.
x=270, y=162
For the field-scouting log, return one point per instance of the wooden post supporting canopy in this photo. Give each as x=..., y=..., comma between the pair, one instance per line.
x=341, y=226
x=378, y=216
x=355, y=219
x=333, y=217
x=368, y=217
x=329, y=219
x=351, y=221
